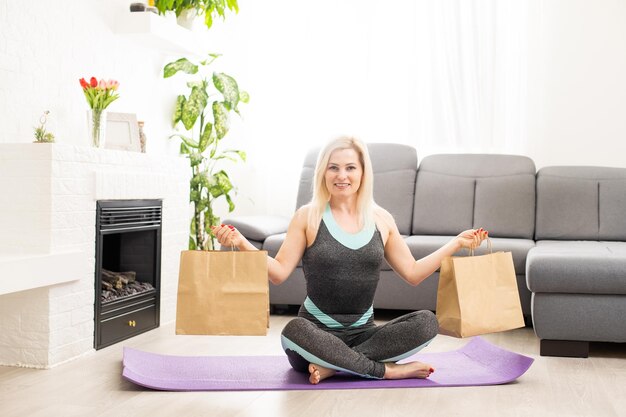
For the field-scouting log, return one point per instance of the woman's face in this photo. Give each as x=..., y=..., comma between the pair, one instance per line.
x=343, y=172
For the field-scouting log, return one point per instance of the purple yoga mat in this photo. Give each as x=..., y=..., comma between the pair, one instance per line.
x=477, y=363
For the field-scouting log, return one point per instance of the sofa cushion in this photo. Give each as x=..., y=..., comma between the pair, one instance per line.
x=422, y=246
x=394, y=166
x=581, y=203
x=444, y=204
x=505, y=206
x=612, y=211
x=461, y=191
x=273, y=243
x=583, y=267
x=259, y=227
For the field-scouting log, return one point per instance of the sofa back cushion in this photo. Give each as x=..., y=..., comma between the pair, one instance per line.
x=455, y=192
x=394, y=166
x=581, y=203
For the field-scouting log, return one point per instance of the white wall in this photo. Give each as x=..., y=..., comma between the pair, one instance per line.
x=577, y=83
x=45, y=47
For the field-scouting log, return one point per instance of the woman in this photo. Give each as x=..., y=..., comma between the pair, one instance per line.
x=342, y=237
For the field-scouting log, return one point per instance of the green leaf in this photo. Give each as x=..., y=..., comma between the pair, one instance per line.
x=208, y=18
x=202, y=204
x=230, y=158
x=206, y=137
x=244, y=96
x=219, y=184
x=192, y=84
x=194, y=195
x=231, y=205
x=184, y=149
x=219, y=5
x=232, y=5
x=241, y=154
x=194, y=106
x=182, y=64
x=227, y=85
x=192, y=242
x=178, y=110
x=187, y=140
x=208, y=62
x=196, y=158
x=220, y=119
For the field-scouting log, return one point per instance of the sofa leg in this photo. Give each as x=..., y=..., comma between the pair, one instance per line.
x=565, y=348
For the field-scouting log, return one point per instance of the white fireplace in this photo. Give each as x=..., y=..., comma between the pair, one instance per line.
x=48, y=195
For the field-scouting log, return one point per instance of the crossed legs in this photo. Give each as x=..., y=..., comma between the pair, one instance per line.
x=370, y=353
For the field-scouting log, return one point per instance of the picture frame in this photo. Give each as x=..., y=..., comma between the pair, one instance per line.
x=122, y=132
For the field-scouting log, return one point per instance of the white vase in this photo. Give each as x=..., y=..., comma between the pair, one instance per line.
x=96, y=127
x=187, y=18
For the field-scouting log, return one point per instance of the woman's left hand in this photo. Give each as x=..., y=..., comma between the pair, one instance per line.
x=472, y=238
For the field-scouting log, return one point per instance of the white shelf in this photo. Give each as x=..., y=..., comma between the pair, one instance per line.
x=156, y=31
x=36, y=271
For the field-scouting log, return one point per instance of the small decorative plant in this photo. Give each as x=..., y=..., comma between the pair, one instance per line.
x=204, y=114
x=41, y=135
x=210, y=8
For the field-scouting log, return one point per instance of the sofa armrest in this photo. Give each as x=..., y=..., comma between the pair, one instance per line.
x=259, y=227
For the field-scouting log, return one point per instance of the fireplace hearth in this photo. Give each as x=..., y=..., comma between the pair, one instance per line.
x=128, y=264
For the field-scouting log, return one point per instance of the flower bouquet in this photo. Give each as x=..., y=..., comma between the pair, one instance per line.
x=99, y=95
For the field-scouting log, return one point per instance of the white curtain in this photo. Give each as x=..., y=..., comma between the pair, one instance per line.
x=440, y=75
x=470, y=89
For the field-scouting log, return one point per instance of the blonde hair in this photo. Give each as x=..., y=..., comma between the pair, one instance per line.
x=321, y=194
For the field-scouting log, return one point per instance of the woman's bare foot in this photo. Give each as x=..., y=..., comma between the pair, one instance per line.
x=319, y=373
x=407, y=370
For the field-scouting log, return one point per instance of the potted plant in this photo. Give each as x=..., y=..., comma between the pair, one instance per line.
x=189, y=9
x=41, y=134
x=204, y=115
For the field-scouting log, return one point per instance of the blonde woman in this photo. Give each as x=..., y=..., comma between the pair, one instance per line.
x=342, y=238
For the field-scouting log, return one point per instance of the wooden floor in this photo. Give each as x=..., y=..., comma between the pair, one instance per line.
x=92, y=385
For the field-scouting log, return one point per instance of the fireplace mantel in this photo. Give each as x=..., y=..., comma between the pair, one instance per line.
x=49, y=194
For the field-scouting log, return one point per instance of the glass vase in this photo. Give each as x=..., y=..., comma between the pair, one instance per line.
x=96, y=125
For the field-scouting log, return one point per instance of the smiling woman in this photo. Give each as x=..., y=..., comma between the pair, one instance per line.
x=342, y=238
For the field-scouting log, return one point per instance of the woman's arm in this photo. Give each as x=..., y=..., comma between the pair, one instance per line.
x=289, y=254
x=399, y=256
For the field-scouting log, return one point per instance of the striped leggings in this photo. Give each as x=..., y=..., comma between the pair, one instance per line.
x=360, y=351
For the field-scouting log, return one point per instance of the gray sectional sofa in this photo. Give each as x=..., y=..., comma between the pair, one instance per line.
x=577, y=270
x=549, y=221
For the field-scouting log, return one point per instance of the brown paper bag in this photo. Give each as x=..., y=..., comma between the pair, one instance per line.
x=223, y=293
x=477, y=295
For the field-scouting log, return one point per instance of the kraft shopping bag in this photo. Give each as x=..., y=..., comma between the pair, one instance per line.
x=223, y=293
x=478, y=295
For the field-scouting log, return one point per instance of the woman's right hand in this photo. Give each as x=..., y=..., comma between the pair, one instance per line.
x=227, y=235
x=472, y=238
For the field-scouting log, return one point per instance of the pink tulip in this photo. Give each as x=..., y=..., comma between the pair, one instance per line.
x=102, y=85
x=112, y=85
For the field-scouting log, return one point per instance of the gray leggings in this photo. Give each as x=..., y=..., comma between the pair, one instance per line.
x=360, y=351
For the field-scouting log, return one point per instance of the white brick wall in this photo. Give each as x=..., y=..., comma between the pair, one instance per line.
x=45, y=47
x=42, y=327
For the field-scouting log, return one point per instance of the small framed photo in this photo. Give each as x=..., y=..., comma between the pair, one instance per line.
x=122, y=132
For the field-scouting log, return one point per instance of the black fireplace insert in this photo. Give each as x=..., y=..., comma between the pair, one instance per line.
x=128, y=269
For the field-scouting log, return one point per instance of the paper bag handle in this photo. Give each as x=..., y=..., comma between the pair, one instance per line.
x=471, y=251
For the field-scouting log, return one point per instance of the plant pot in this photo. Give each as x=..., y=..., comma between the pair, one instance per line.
x=96, y=127
x=187, y=18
